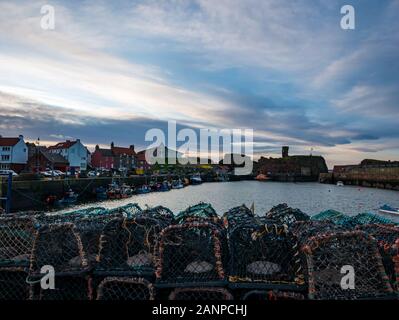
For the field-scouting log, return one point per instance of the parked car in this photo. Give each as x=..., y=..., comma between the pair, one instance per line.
x=93, y=174
x=7, y=172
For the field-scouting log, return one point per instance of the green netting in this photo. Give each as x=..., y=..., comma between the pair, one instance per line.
x=201, y=210
x=331, y=215
x=340, y=218
x=370, y=218
x=130, y=210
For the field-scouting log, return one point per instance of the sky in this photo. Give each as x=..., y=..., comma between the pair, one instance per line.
x=111, y=70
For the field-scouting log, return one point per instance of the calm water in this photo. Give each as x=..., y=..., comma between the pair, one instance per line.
x=311, y=198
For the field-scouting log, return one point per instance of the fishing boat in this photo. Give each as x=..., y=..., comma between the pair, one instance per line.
x=177, y=184
x=69, y=198
x=164, y=186
x=386, y=209
x=126, y=191
x=340, y=184
x=196, y=179
x=154, y=186
x=143, y=189
x=262, y=177
x=101, y=193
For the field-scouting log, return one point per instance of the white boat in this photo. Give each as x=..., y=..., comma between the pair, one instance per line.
x=196, y=179
x=340, y=184
x=389, y=210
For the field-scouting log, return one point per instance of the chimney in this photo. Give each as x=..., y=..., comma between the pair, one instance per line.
x=132, y=147
x=21, y=137
x=112, y=144
x=285, y=151
x=97, y=147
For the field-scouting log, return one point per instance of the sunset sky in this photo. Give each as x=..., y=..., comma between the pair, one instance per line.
x=111, y=70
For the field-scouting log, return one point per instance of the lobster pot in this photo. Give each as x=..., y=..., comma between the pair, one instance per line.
x=90, y=230
x=264, y=256
x=59, y=246
x=261, y=295
x=130, y=210
x=202, y=210
x=237, y=215
x=16, y=240
x=286, y=215
x=388, y=244
x=127, y=245
x=347, y=252
x=143, y=236
x=68, y=288
x=160, y=213
x=305, y=230
x=113, y=252
x=200, y=293
x=190, y=252
x=369, y=218
x=13, y=285
x=124, y=288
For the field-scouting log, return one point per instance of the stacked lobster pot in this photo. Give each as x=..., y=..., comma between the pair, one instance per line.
x=193, y=254
x=68, y=243
x=263, y=255
x=16, y=242
x=58, y=251
x=387, y=237
x=126, y=256
x=341, y=263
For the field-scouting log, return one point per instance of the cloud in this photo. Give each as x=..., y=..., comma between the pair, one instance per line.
x=284, y=68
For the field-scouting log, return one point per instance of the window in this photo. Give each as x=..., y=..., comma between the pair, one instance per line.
x=6, y=148
x=4, y=166
x=5, y=157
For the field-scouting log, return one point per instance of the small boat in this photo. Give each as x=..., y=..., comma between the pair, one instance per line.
x=164, y=186
x=69, y=198
x=196, y=179
x=154, y=186
x=389, y=210
x=262, y=177
x=143, y=189
x=340, y=184
x=126, y=191
x=177, y=184
x=101, y=193
x=113, y=191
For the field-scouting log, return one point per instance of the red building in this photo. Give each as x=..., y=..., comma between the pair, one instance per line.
x=119, y=158
x=102, y=159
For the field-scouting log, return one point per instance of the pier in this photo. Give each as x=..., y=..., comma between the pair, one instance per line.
x=384, y=175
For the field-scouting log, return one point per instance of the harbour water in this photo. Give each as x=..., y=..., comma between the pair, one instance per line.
x=311, y=198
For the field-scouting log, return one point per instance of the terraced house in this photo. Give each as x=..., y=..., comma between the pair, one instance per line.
x=74, y=152
x=119, y=158
x=13, y=153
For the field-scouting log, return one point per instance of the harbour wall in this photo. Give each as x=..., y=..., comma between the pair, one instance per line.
x=31, y=194
x=383, y=177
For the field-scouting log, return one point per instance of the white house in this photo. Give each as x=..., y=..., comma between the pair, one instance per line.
x=74, y=151
x=13, y=153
